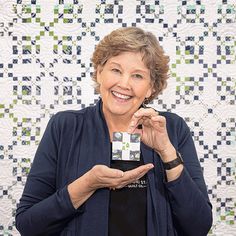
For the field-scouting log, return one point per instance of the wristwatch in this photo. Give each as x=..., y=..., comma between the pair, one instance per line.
x=172, y=164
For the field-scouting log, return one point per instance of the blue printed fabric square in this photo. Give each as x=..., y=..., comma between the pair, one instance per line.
x=126, y=146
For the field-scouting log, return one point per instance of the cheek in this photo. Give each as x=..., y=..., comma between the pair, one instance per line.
x=142, y=90
x=106, y=84
x=109, y=81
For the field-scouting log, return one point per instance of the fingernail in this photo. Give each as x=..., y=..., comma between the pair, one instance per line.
x=150, y=166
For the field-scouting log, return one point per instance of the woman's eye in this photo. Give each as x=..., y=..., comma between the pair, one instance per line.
x=115, y=70
x=138, y=76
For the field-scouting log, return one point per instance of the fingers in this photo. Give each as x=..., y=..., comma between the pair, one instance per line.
x=133, y=175
x=113, y=178
x=145, y=116
x=160, y=120
x=137, y=173
x=149, y=112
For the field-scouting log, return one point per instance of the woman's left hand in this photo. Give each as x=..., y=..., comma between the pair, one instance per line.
x=153, y=133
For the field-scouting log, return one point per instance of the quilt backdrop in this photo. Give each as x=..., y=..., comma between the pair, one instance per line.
x=45, y=67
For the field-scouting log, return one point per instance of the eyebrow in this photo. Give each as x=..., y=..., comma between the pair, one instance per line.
x=117, y=64
x=136, y=70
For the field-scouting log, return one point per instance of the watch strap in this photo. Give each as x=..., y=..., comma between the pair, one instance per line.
x=172, y=164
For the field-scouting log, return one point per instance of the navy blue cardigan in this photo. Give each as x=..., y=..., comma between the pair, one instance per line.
x=75, y=141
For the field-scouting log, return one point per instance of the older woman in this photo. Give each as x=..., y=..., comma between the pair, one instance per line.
x=74, y=188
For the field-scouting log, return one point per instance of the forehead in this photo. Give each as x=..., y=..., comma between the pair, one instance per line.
x=132, y=60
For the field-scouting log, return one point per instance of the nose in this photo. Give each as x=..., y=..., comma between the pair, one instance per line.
x=124, y=81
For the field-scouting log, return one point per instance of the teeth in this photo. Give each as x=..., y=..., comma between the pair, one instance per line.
x=121, y=95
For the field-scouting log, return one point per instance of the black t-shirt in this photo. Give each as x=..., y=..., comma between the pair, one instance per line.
x=128, y=206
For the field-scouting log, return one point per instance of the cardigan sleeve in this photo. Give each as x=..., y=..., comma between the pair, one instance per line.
x=188, y=196
x=43, y=209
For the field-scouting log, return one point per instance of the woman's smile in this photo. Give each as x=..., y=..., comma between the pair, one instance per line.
x=121, y=97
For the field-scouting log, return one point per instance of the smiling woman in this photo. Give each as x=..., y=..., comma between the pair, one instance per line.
x=70, y=187
x=133, y=39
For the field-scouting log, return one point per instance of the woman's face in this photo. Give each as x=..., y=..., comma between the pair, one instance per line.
x=124, y=83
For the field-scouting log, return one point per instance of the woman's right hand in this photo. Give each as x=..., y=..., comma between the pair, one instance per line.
x=101, y=176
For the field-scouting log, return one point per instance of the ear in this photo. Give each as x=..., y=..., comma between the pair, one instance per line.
x=149, y=92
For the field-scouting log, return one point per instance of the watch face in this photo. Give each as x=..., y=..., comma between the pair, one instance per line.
x=179, y=156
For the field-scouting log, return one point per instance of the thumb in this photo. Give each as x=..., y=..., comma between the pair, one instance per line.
x=114, y=173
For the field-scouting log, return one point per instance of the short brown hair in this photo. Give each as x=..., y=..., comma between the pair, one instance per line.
x=133, y=39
